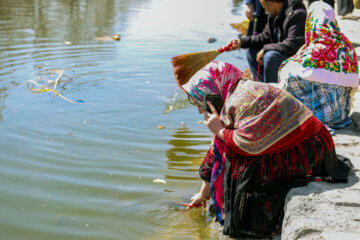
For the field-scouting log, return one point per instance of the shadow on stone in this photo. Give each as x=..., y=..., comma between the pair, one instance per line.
x=322, y=207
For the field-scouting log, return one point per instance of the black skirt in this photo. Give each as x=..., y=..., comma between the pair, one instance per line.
x=255, y=187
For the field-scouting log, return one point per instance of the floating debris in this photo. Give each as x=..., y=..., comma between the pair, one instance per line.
x=45, y=84
x=67, y=42
x=211, y=40
x=158, y=180
x=199, y=122
x=167, y=190
x=116, y=37
x=161, y=127
x=104, y=38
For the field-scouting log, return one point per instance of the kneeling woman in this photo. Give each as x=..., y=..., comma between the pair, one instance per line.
x=324, y=73
x=265, y=142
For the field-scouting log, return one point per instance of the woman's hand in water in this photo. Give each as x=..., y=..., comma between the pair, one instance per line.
x=196, y=201
x=200, y=198
x=213, y=122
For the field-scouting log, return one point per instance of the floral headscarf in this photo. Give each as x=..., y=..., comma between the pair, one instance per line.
x=216, y=78
x=327, y=56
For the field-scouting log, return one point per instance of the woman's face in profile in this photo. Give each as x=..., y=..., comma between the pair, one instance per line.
x=193, y=101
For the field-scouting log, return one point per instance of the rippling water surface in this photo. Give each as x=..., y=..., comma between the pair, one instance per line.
x=85, y=170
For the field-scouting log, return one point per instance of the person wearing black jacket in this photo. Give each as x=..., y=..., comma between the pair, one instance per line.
x=281, y=38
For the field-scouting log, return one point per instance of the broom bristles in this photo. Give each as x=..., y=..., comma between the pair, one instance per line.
x=186, y=65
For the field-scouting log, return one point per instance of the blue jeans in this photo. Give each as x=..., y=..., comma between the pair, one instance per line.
x=269, y=71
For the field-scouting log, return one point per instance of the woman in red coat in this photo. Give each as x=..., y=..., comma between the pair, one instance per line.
x=264, y=143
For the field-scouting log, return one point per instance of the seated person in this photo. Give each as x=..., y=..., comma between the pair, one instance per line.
x=265, y=142
x=324, y=73
x=281, y=38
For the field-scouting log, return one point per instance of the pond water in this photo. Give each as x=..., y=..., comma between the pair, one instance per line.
x=85, y=169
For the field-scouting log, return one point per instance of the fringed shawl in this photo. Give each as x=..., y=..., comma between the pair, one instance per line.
x=260, y=115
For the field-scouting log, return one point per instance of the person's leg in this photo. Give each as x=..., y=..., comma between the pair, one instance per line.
x=272, y=62
x=251, y=57
x=344, y=7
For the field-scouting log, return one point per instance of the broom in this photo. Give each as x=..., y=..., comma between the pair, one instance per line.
x=186, y=65
x=241, y=27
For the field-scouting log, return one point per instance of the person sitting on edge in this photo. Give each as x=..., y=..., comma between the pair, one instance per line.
x=265, y=142
x=324, y=74
x=281, y=38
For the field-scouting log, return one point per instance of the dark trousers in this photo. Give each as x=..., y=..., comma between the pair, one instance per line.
x=268, y=72
x=344, y=7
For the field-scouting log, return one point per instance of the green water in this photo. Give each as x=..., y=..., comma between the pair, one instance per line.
x=86, y=171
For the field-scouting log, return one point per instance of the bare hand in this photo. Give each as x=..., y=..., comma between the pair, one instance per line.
x=196, y=201
x=213, y=122
x=235, y=44
x=249, y=12
x=260, y=57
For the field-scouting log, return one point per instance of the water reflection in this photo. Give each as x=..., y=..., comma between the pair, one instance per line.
x=3, y=95
x=182, y=223
x=172, y=220
x=237, y=7
x=187, y=151
x=74, y=171
x=37, y=18
x=33, y=32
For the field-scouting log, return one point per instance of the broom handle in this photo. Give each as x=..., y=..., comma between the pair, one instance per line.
x=229, y=47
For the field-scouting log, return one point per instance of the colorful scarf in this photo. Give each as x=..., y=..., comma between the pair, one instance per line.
x=327, y=56
x=216, y=78
x=259, y=113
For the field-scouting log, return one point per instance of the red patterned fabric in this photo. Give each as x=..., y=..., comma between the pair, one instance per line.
x=260, y=115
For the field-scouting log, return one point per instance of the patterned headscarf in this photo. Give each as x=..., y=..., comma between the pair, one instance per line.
x=216, y=78
x=327, y=56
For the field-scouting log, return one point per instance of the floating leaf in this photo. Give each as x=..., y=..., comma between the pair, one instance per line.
x=158, y=180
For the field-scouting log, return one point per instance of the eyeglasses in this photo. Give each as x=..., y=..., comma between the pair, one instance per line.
x=191, y=100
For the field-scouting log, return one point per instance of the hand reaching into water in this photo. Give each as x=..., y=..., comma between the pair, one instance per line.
x=196, y=201
x=200, y=198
